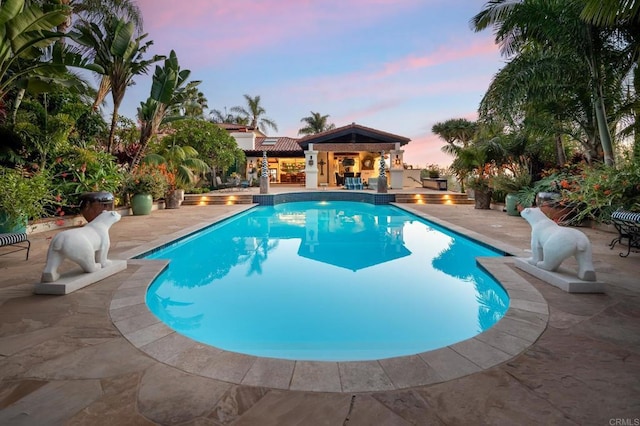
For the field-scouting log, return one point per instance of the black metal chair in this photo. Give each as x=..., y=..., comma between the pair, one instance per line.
x=15, y=239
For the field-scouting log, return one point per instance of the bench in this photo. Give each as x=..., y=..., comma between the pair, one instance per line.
x=628, y=226
x=18, y=240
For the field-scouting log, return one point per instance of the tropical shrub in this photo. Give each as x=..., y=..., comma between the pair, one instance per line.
x=599, y=190
x=23, y=195
x=84, y=170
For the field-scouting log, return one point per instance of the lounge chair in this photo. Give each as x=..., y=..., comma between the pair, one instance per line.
x=220, y=185
x=15, y=239
x=353, y=183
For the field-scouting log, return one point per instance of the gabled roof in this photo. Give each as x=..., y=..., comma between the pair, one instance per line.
x=281, y=144
x=353, y=134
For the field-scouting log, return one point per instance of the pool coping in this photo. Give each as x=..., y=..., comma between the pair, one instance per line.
x=524, y=322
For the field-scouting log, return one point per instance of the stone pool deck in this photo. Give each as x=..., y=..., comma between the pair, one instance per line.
x=90, y=358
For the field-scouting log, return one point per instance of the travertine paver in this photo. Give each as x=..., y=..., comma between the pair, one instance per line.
x=53, y=403
x=363, y=376
x=170, y=396
x=270, y=372
x=409, y=371
x=316, y=376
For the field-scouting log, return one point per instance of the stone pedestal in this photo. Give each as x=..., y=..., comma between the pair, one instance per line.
x=563, y=279
x=382, y=185
x=264, y=184
x=77, y=279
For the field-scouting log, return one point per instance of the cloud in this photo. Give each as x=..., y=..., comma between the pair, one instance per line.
x=444, y=54
x=424, y=150
x=210, y=31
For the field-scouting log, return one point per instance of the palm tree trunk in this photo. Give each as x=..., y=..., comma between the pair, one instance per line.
x=16, y=106
x=114, y=124
x=562, y=159
x=603, y=128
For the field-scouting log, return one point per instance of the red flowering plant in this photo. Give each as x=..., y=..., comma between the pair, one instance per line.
x=599, y=190
x=169, y=175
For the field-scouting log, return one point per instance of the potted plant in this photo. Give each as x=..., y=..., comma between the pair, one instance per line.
x=23, y=196
x=482, y=191
x=433, y=171
x=146, y=183
x=511, y=184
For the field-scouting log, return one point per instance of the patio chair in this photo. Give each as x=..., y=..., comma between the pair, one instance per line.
x=16, y=240
x=628, y=226
x=353, y=183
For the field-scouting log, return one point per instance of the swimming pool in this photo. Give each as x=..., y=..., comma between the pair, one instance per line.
x=325, y=281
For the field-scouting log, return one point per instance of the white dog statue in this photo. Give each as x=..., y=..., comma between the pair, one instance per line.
x=551, y=244
x=87, y=246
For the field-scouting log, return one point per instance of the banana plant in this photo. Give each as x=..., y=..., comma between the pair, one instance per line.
x=28, y=61
x=169, y=89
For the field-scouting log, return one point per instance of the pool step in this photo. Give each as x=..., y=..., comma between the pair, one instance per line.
x=235, y=198
x=433, y=198
x=216, y=199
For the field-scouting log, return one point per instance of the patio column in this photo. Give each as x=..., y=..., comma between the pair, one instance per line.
x=311, y=168
x=397, y=167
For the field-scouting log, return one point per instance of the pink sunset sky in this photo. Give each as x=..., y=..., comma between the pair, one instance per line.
x=399, y=66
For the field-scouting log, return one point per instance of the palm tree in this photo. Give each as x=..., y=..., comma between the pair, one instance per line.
x=255, y=112
x=608, y=12
x=220, y=117
x=557, y=26
x=169, y=91
x=458, y=133
x=120, y=54
x=316, y=123
x=181, y=160
x=195, y=103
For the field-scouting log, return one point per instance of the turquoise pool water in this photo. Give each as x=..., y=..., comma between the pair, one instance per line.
x=339, y=281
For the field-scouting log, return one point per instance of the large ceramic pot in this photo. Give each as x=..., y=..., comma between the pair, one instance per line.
x=10, y=225
x=511, y=204
x=483, y=199
x=141, y=204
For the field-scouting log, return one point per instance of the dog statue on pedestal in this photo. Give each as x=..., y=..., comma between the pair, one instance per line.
x=87, y=246
x=551, y=244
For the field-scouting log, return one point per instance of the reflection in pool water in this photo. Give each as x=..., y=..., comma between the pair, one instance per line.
x=326, y=281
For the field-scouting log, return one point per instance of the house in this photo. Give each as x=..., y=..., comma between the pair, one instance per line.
x=324, y=159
